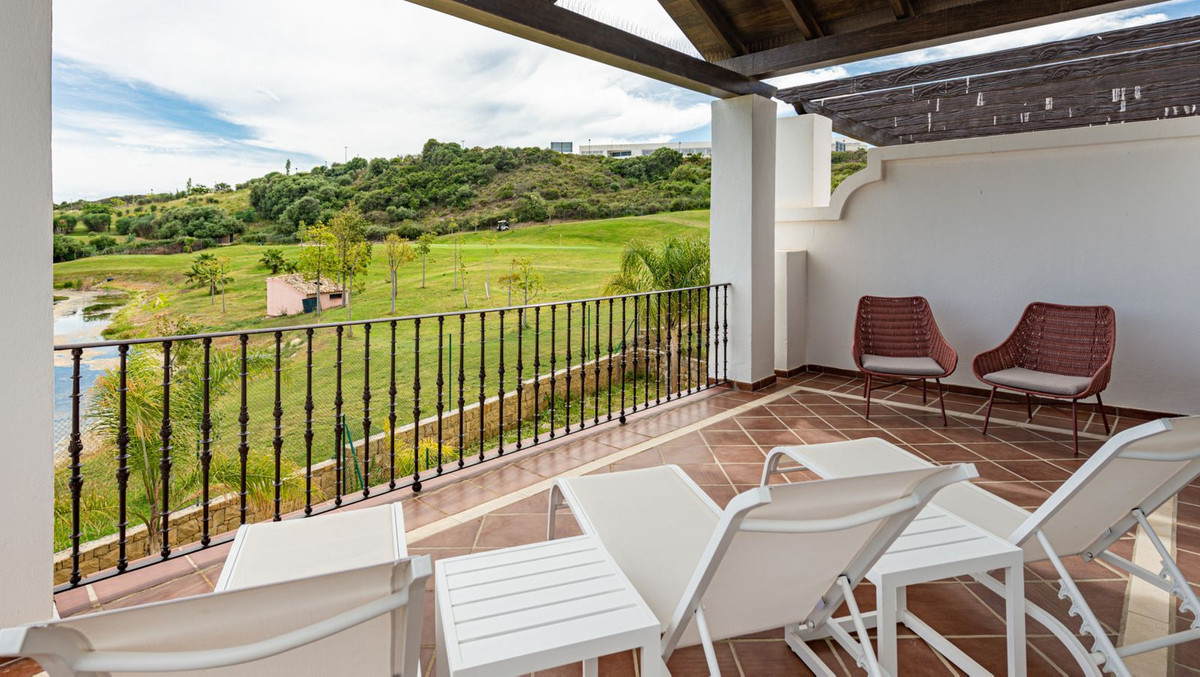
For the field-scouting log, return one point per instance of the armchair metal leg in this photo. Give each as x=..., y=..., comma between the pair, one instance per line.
x=1029, y=407
x=1103, y=416
x=867, y=394
x=924, y=391
x=1075, y=424
x=942, y=401
x=987, y=417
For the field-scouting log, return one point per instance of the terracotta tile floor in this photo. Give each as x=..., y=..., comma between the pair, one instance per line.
x=1021, y=462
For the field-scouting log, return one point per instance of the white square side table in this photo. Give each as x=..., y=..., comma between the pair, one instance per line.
x=534, y=607
x=938, y=545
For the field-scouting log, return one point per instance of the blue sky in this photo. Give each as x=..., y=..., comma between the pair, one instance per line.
x=148, y=95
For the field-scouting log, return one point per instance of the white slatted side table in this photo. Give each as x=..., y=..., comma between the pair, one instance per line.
x=936, y=546
x=539, y=606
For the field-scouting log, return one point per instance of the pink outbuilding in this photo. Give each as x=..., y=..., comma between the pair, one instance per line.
x=295, y=294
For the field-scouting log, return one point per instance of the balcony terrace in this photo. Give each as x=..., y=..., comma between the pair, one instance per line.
x=720, y=438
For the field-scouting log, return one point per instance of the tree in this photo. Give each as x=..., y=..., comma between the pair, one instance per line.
x=525, y=278
x=462, y=271
x=318, y=258
x=64, y=224
x=424, y=245
x=489, y=248
x=97, y=222
x=353, y=251
x=287, y=167
x=674, y=263
x=208, y=269
x=399, y=251
x=272, y=259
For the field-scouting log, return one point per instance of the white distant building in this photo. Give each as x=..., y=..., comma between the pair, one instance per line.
x=625, y=150
x=841, y=145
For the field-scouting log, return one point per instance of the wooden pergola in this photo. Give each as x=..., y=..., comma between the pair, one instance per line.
x=1144, y=73
x=743, y=41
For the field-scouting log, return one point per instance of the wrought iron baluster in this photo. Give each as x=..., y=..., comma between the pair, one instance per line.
x=122, y=459
x=164, y=461
x=278, y=441
x=553, y=368
x=725, y=327
x=392, y=415
x=646, y=355
x=609, y=415
x=416, y=410
x=308, y=422
x=75, y=447
x=441, y=382
x=714, y=357
x=205, y=441
x=679, y=345
x=702, y=340
x=567, y=360
x=482, y=379
x=520, y=370
x=633, y=354
x=462, y=380
x=339, y=433
x=537, y=370
x=366, y=398
x=691, y=336
x=500, y=388
x=583, y=342
x=596, y=359
x=243, y=429
x=658, y=359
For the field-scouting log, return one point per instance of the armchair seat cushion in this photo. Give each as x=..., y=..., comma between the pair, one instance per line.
x=902, y=366
x=1039, y=381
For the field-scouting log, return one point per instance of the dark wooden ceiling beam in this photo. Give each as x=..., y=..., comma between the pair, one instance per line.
x=849, y=127
x=901, y=8
x=545, y=23
x=1112, y=42
x=985, y=17
x=804, y=18
x=1019, y=128
x=719, y=25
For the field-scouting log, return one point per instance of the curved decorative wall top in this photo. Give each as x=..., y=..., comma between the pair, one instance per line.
x=1131, y=132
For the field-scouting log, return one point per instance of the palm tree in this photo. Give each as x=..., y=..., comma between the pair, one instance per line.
x=143, y=403
x=674, y=263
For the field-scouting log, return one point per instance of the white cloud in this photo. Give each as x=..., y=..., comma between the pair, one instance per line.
x=309, y=77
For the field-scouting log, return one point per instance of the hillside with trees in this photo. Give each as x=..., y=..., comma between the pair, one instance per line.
x=443, y=189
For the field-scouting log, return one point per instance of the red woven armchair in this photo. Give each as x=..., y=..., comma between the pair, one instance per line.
x=897, y=338
x=1057, y=351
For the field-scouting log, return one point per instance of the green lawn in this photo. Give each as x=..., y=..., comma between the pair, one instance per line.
x=575, y=259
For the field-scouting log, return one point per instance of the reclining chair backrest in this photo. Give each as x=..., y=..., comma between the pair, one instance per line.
x=1141, y=467
x=776, y=556
x=220, y=633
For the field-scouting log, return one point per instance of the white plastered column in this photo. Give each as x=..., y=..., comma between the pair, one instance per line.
x=802, y=177
x=742, y=232
x=26, y=335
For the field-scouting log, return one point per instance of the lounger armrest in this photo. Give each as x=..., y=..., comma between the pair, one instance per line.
x=771, y=467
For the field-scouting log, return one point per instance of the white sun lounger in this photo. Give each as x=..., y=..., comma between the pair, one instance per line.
x=283, y=606
x=1133, y=474
x=776, y=556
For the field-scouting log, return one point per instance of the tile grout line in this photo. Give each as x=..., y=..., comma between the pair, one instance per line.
x=538, y=487
x=1037, y=427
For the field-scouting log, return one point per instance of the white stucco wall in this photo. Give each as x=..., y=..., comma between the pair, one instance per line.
x=26, y=335
x=1106, y=215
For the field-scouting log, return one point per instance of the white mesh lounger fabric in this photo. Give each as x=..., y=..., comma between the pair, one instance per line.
x=335, y=594
x=700, y=569
x=1128, y=478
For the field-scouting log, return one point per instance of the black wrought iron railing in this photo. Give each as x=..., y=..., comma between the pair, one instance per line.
x=176, y=441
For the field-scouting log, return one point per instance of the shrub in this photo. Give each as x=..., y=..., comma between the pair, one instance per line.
x=97, y=222
x=70, y=248
x=103, y=243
